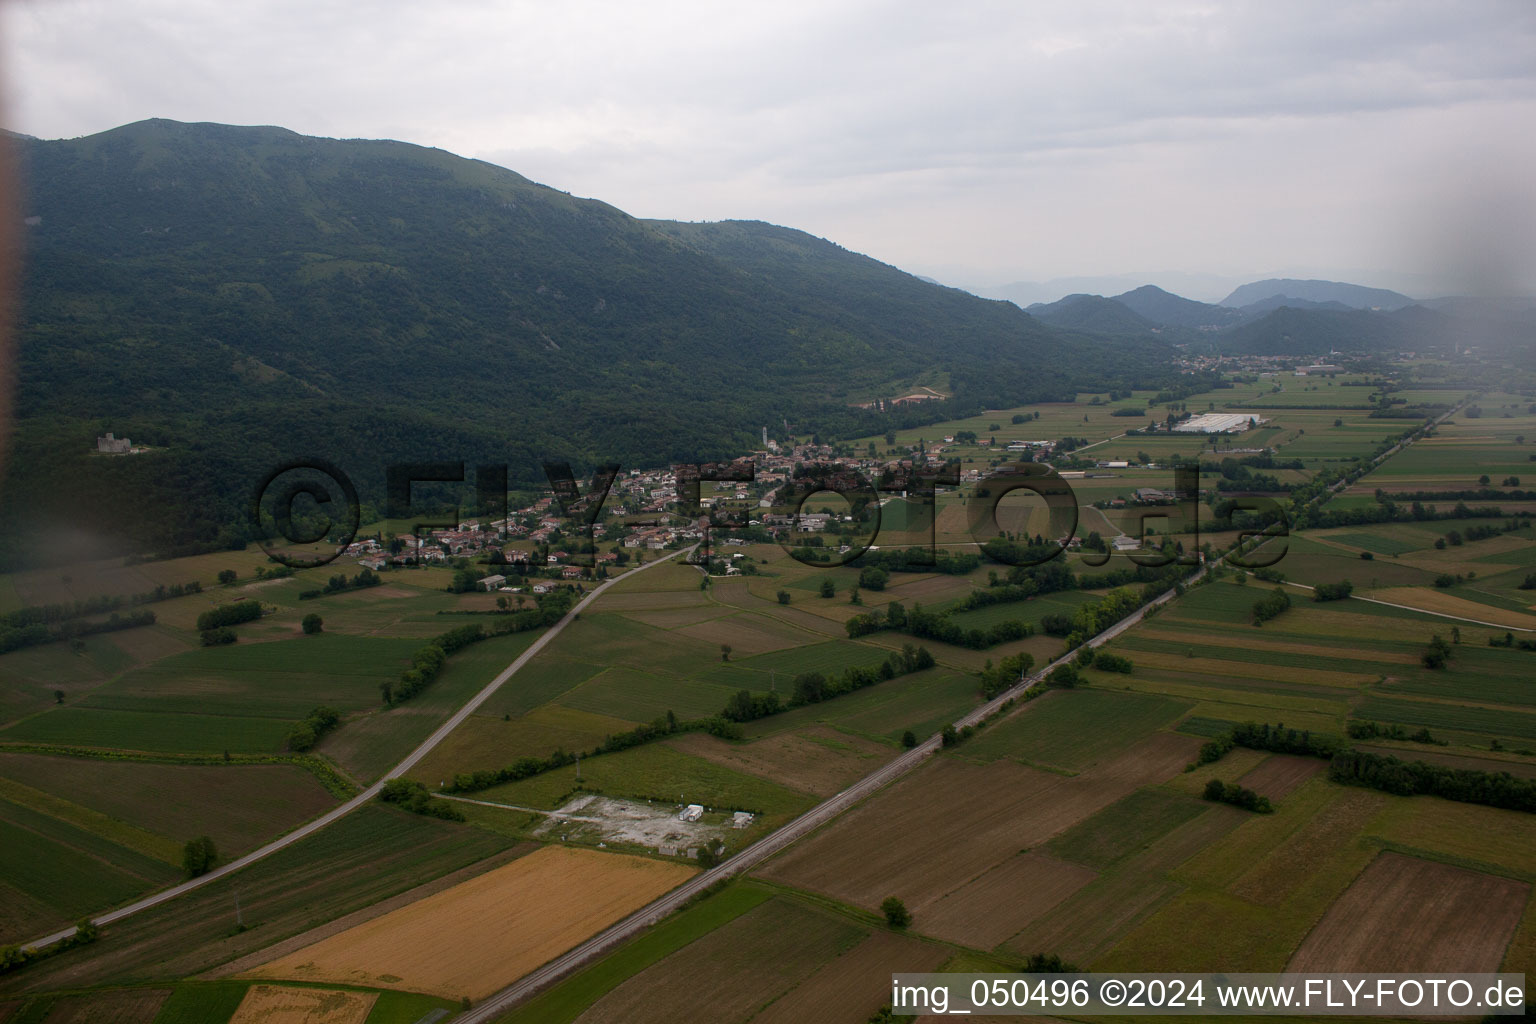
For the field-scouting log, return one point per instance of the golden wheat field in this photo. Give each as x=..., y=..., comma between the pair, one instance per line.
x=483, y=934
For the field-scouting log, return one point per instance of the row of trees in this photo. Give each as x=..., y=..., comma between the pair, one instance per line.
x=47, y=614
x=1367, y=730
x=814, y=687
x=307, y=733
x=339, y=583
x=428, y=660
x=413, y=797
x=935, y=626
x=41, y=633
x=1409, y=778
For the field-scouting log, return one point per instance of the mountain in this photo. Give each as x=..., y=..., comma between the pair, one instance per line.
x=1292, y=331
x=238, y=296
x=1091, y=313
x=1026, y=293
x=1257, y=309
x=1161, y=307
x=1352, y=295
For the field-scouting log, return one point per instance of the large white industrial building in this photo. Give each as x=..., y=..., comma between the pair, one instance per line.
x=1218, y=423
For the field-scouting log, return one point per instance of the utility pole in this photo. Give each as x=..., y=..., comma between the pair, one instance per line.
x=578, y=767
x=239, y=918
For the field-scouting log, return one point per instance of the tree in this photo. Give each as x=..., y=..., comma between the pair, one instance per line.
x=1436, y=654
x=725, y=652
x=873, y=578
x=853, y=596
x=783, y=597
x=198, y=856
x=909, y=739
x=227, y=576
x=896, y=913
x=58, y=696
x=312, y=624
x=828, y=588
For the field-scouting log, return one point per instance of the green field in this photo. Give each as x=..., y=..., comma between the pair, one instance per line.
x=566, y=1001
x=53, y=872
x=1124, y=827
x=1073, y=730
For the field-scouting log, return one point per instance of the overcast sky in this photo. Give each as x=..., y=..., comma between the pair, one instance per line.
x=979, y=143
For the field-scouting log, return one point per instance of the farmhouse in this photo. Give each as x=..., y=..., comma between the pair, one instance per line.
x=492, y=582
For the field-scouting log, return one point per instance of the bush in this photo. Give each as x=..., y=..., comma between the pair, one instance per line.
x=783, y=596
x=909, y=739
x=308, y=732
x=413, y=797
x=1064, y=676
x=199, y=856
x=1237, y=796
x=313, y=624
x=217, y=637
x=1333, y=591
x=1112, y=663
x=896, y=913
x=873, y=578
x=229, y=614
x=1271, y=605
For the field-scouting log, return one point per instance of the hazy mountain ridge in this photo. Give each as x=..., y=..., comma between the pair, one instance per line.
x=1353, y=295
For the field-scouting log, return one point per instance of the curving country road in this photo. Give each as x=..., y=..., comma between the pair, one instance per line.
x=372, y=791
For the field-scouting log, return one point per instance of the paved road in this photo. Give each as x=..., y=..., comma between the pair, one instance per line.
x=606, y=940
x=372, y=791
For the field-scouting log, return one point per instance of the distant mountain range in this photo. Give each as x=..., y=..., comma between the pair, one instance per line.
x=1352, y=296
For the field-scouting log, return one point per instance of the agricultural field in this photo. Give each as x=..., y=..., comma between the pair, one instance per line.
x=1067, y=825
x=485, y=933
x=1317, y=665
x=286, y=1004
x=370, y=856
x=160, y=806
x=1408, y=914
x=903, y=841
